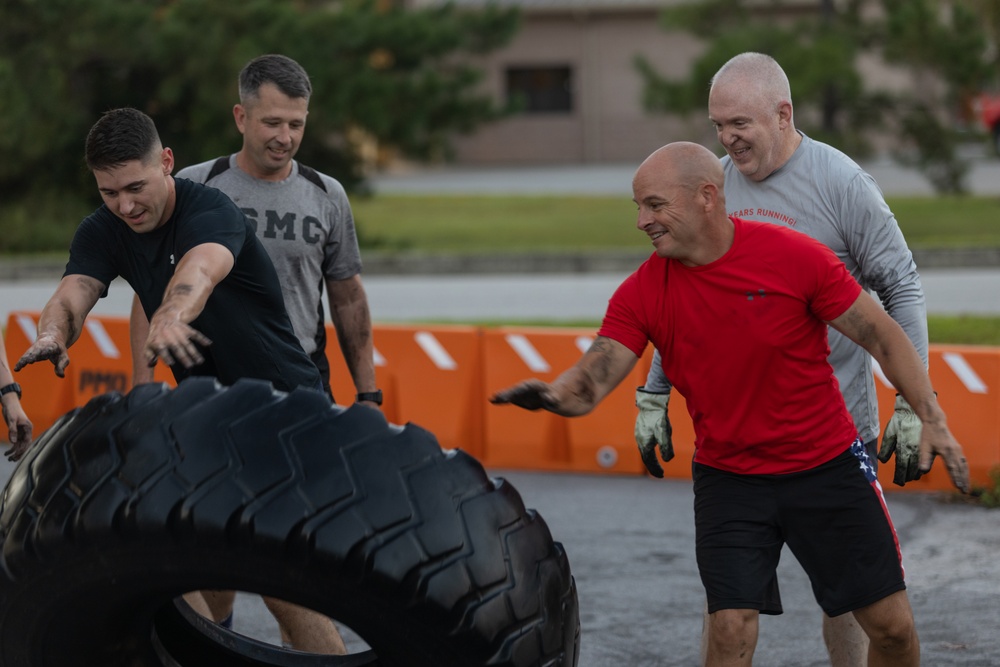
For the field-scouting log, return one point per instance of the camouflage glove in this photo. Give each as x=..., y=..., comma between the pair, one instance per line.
x=652, y=427
x=902, y=435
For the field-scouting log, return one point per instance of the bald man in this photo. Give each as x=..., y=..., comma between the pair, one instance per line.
x=775, y=173
x=739, y=311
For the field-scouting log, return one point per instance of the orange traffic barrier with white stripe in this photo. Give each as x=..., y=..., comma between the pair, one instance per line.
x=440, y=377
x=967, y=381
x=601, y=441
x=428, y=375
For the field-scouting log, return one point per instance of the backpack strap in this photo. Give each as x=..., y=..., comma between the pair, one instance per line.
x=220, y=166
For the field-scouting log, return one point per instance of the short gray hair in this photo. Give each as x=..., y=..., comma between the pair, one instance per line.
x=290, y=78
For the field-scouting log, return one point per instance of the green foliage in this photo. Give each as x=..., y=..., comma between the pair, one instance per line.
x=956, y=45
x=990, y=496
x=818, y=57
x=401, y=77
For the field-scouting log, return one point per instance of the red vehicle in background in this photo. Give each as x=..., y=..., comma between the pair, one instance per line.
x=988, y=110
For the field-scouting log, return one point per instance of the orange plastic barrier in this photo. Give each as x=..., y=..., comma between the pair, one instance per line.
x=441, y=376
x=431, y=376
x=967, y=380
x=601, y=441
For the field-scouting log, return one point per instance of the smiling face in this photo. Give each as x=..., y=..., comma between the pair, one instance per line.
x=666, y=212
x=754, y=126
x=272, y=125
x=678, y=191
x=140, y=192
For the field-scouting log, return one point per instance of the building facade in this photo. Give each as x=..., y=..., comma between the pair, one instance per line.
x=571, y=66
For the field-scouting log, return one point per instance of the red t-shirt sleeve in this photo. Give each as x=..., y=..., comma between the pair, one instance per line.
x=625, y=319
x=834, y=288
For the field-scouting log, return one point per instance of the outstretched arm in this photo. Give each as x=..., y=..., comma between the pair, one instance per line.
x=868, y=325
x=581, y=387
x=170, y=336
x=61, y=321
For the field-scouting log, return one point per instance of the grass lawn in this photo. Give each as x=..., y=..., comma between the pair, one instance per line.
x=496, y=224
x=524, y=224
x=954, y=330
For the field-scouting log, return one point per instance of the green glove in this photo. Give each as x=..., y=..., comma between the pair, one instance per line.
x=902, y=435
x=652, y=427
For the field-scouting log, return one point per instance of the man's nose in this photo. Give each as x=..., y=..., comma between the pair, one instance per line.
x=643, y=220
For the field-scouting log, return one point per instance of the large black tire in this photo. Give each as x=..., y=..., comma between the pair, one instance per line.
x=130, y=501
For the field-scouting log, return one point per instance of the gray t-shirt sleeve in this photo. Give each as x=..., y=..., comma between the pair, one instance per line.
x=656, y=380
x=341, y=254
x=885, y=262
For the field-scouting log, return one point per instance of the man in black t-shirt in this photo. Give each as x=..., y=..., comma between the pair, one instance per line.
x=205, y=282
x=191, y=256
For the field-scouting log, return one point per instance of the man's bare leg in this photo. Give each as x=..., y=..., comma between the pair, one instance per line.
x=197, y=603
x=306, y=629
x=891, y=632
x=846, y=642
x=732, y=637
x=220, y=603
x=705, y=620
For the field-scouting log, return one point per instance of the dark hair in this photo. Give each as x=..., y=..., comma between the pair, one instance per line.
x=280, y=70
x=120, y=136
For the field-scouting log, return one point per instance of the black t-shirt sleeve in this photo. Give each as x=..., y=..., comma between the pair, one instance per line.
x=212, y=218
x=91, y=253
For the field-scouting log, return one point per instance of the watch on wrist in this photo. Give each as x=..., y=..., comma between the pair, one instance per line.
x=370, y=396
x=12, y=387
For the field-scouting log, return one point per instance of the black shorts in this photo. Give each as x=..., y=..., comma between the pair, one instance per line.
x=832, y=517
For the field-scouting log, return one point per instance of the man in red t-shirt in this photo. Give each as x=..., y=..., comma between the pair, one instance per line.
x=738, y=311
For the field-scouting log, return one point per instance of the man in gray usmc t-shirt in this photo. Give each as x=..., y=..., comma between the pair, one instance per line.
x=306, y=226
x=304, y=221
x=302, y=217
x=776, y=174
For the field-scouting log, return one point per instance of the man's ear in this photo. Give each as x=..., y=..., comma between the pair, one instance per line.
x=240, y=116
x=708, y=195
x=785, y=114
x=167, y=160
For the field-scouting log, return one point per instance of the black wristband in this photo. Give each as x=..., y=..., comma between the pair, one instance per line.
x=12, y=387
x=370, y=396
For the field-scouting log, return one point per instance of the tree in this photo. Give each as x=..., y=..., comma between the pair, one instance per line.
x=399, y=76
x=938, y=42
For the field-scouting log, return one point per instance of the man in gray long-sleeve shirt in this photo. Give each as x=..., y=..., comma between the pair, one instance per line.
x=774, y=173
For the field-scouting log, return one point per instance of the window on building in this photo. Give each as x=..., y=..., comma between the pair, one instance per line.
x=541, y=89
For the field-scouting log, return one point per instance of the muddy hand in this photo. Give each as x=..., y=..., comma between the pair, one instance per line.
x=45, y=347
x=177, y=344
x=530, y=395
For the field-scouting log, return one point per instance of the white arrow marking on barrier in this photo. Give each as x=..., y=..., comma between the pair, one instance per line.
x=377, y=357
x=965, y=372
x=583, y=343
x=528, y=353
x=958, y=365
x=28, y=328
x=103, y=340
x=430, y=345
